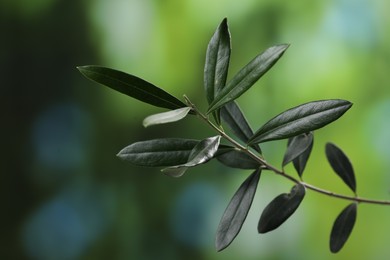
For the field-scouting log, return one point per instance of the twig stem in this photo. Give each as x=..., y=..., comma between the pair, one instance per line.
x=267, y=166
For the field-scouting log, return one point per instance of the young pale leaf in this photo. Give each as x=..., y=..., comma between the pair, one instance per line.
x=132, y=86
x=235, y=214
x=201, y=153
x=301, y=119
x=166, y=117
x=248, y=76
x=341, y=165
x=280, y=209
x=301, y=160
x=158, y=152
x=217, y=63
x=297, y=145
x=342, y=227
x=238, y=159
x=235, y=119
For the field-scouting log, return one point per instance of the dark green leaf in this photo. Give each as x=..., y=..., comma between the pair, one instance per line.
x=248, y=76
x=235, y=119
x=301, y=160
x=166, y=117
x=238, y=159
x=132, y=86
x=280, y=209
x=217, y=63
x=301, y=119
x=342, y=227
x=341, y=165
x=201, y=153
x=158, y=152
x=297, y=145
x=235, y=214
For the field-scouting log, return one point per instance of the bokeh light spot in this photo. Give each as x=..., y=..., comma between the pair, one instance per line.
x=61, y=136
x=195, y=215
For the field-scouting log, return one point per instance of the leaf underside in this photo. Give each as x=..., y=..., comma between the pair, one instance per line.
x=236, y=212
x=341, y=165
x=301, y=119
x=131, y=86
x=280, y=209
x=342, y=227
x=166, y=117
x=201, y=153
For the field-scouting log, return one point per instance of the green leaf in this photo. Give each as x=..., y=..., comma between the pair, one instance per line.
x=235, y=214
x=132, y=86
x=280, y=209
x=235, y=119
x=166, y=117
x=248, y=76
x=201, y=153
x=297, y=145
x=301, y=119
x=217, y=63
x=342, y=227
x=238, y=159
x=301, y=160
x=341, y=165
x=158, y=152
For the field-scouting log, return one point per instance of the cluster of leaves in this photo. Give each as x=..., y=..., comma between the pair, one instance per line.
x=177, y=155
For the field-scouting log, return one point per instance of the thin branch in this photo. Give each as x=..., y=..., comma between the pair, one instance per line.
x=265, y=165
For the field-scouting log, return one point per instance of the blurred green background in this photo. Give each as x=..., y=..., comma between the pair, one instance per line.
x=66, y=196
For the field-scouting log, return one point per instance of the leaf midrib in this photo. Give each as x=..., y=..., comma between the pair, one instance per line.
x=289, y=122
x=131, y=85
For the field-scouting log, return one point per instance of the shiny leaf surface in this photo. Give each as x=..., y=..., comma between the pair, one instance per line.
x=132, y=86
x=158, y=152
x=238, y=159
x=342, y=227
x=280, y=209
x=235, y=119
x=217, y=63
x=301, y=161
x=235, y=214
x=301, y=119
x=297, y=145
x=341, y=165
x=248, y=76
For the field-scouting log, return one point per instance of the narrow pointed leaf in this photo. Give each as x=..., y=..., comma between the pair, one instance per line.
x=201, y=153
x=217, y=63
x=166, y=117
x=235, y=119
x=235, y=214
x=280, y=209
x=343, y=227
x=248, y=76
x=297, y=145
x=158, y=152
x=341, y=165
x=301, y=160
x=238, y=159
x=132, y=86
x=301, y=119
